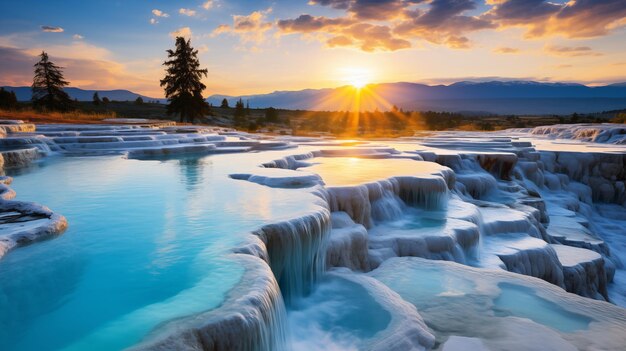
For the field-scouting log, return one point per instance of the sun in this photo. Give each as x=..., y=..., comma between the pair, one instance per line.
x=356, y=77
x=358, y=82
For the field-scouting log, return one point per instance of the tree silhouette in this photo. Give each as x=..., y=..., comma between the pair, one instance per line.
x=96, y=98
x=183, y=87
x=271, y=115
x=8, y=100
x=224, y=103
x=48, y=85
x=139, y=100
x=240, y=113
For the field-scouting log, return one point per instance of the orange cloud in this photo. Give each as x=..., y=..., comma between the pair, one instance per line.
x=506, y=50
x=184, y=32
x=250, y=28
x=455, y=42
x=159, y=13
x=207, y=5
x=572, y=51
x=369, y=37
x=187, y=12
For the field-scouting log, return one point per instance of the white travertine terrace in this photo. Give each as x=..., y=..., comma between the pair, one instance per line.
x=517, y=223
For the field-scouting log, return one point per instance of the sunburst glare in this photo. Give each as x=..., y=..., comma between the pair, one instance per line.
x=357, y=77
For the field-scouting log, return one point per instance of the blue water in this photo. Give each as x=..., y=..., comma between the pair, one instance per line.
x=456, y=301
x=523, y=302
x=423, y=286
x=338, y=315
x=147, y=243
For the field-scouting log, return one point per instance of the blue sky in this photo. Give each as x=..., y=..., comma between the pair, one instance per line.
x=261, y=46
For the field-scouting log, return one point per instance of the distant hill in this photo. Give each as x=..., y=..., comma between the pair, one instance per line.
x=24, y=94
x=498, y=97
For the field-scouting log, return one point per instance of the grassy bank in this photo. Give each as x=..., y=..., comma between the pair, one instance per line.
x=30, y=115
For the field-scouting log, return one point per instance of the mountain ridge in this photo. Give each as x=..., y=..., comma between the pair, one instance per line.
x=24, y=93
x=495, y=96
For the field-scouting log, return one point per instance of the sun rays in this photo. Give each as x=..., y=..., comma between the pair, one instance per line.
x=359, y=109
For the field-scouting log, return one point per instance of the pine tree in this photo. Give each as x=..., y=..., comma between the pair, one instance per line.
x=224, y=103
x=8, y=100
x=96, y=98
x=48, y=85
x=240, y=113
x=183, y=87
x=240, y=110
x=271, y=115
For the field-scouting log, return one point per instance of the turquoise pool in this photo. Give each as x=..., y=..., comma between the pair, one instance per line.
x=147, y=243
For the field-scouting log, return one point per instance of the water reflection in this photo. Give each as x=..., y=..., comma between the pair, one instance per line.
x=192, y=170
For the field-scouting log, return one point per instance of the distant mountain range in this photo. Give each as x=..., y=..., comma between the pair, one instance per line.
x=25, y=94
x=497, y=97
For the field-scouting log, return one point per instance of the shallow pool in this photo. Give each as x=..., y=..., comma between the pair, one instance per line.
x=521, y=301
x=147, y=243
x=341, y=171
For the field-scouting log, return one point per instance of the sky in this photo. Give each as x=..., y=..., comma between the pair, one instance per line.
x=254, y=47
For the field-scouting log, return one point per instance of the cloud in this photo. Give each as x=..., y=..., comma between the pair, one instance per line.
x=369, y=37
x=77, y=49
x=184, y=32
x=250, y=28
x=308, y=23
x=506, y=50
x=589, y=18
x=187, y=12
x=572, y=19
x=52, y=29
x=16, y=68
x=346, y=32
x=336, y=4
x=523, y=11
x=445, y=22
x=153, y=21
x=159, y=13
x=78, y=37
x=222, y=28
x=207, y=5
x=572, y=51
x=455, y=42
x=369, y=9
